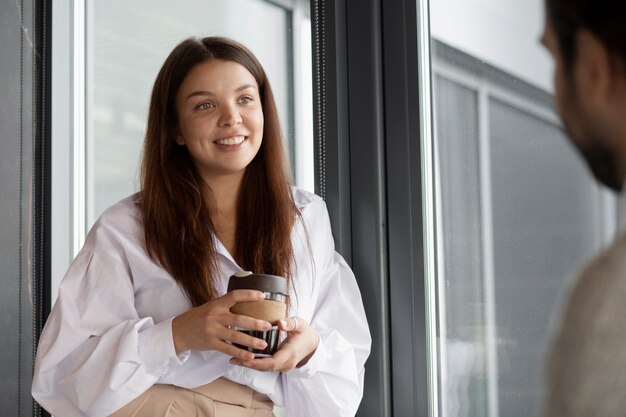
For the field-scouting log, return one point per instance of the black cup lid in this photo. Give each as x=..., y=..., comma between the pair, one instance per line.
x=259, y=282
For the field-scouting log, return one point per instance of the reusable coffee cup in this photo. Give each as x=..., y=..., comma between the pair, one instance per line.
x=271, y=309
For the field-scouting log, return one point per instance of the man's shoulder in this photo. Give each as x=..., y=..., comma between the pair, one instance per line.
x=607, y=271
x=586, y=368
x=596, y=305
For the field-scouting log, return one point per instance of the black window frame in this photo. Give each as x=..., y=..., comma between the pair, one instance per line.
x=369, y=171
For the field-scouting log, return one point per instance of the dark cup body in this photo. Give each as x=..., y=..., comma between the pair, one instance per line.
x=276, y=290
x=270, y=336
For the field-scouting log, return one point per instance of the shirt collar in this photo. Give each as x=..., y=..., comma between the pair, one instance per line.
x=221, y=249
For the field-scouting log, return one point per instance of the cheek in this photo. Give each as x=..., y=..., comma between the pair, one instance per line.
x=566, y=101
x=185, y=125
x=197, y=127
x=259, y=121
x=559, y=90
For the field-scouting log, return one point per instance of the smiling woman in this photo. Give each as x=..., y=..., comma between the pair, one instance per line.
x=223, y=128
x=143, y=321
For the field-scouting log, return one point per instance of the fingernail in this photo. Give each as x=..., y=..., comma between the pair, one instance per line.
x=261, y=295
x=283, y=322
x=267, y=325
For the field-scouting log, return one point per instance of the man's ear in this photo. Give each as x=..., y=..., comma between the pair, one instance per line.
x=594, y=71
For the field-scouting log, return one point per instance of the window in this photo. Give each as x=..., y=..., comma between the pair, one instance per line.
x=516, y=212
x=117, y=48
x=128, y=44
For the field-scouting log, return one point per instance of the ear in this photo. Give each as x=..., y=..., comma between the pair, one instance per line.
x=594, y=71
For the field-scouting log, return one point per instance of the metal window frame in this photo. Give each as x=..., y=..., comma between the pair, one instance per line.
x=373, y=133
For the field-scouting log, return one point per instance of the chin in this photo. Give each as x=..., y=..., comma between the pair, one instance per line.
x=603, y=164
x=592, y=144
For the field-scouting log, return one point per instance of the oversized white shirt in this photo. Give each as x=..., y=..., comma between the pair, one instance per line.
x=109, y=336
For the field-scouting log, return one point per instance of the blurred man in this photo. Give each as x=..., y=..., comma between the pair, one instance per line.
x=586, y=374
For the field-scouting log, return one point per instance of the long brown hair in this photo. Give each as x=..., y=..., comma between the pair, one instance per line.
x=179, y=232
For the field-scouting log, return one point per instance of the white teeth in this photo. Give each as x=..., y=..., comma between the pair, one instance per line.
x=231, y=141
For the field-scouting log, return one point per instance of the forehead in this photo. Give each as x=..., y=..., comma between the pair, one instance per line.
x=217, y=76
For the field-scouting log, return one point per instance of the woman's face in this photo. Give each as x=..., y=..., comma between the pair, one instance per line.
x=220, y=118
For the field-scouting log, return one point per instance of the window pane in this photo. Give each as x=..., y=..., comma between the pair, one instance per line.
x=516, y=211
x=543, y=226
x=128, y=42
x=462, y=309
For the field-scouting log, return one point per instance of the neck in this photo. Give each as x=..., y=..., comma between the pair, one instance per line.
x=225, y=194
x=223, y=206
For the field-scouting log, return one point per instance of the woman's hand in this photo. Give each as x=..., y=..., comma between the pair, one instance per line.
x=206, y=327
x=294, y=352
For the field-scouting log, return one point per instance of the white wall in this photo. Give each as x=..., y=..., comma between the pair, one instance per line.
x=503, y=33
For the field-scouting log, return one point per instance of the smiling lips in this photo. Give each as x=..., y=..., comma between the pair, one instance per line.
x=235, y=140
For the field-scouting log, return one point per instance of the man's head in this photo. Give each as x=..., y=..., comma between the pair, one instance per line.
x=587, y=39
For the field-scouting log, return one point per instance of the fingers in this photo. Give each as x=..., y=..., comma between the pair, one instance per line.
x=219, y=310
x=237, y=296
x=264, y=364
x=235, y=352
x=245, y=322
x=283, y=360
x=289, y=325
x=208, y=327
x=295, y=351
x=241, y=338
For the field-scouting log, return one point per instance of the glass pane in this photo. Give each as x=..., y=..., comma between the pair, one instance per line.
x=516, y=211
x=543, y=226
x=462, y=307
x=128, y=42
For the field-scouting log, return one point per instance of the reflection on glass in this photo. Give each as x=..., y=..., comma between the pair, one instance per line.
x=127, y=43
x=463, y=373
x=516, y=211
x=543, y=229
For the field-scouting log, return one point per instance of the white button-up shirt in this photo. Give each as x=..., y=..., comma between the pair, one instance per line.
x=109, y=335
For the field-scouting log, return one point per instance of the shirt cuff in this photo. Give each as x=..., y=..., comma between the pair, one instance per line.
x=156, y=348
x=319, y=358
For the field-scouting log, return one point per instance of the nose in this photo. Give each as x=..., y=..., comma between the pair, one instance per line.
x=230, y=115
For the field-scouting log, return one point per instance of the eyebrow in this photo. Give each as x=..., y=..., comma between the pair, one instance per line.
x=209, y=93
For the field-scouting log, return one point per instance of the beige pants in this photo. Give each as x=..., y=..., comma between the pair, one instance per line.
x=220, y=398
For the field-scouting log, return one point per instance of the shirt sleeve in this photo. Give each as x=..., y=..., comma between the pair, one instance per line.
x=95, y=353
x=330, y=384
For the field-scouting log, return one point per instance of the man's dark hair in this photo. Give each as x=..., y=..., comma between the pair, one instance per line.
x=606, y=19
